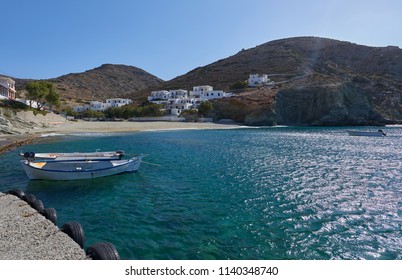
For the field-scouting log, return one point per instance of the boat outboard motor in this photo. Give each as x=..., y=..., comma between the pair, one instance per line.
x=120, y=153
x=383, y=134
x=30, y=156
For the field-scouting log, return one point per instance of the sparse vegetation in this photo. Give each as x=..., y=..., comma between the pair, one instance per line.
x=239, y=85
x=205, y=109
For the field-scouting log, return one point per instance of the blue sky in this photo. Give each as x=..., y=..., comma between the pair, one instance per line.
x=46, y=38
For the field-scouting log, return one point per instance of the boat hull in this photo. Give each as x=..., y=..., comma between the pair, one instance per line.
x=366, y=133
x=78, y=170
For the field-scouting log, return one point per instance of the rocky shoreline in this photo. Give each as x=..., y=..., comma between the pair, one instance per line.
x=11, y=142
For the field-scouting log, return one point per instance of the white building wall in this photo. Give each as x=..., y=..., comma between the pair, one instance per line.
x=202, y=88
x=178, y=93
x=257, y=80
x=159, y=94
x=117, y=102
x=101, y=106
x=214, y=94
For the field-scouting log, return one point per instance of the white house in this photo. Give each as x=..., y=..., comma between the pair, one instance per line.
x=102, y=106
x=178, y=93
x=159, y=95
x=164, y=94
x=207, y=93
x=7, y=88
x=256, y=80
x=177, y=105
x=117, y=102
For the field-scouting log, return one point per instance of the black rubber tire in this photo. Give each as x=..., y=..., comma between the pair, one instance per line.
x=29, y=198
x=75, y=231
x=103, y=251
x=50, y=214
x=17, y=192
x=37, y=205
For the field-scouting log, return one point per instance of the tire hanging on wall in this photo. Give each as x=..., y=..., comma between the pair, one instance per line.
x=37, y=205
x=75, y=231
x=50, y=214
x=17, y=192
x=28, y=198
x=103, y=251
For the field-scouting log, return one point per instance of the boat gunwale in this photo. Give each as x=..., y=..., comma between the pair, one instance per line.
x=26, y=163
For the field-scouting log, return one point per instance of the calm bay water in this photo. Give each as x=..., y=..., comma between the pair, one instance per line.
x=266, y=193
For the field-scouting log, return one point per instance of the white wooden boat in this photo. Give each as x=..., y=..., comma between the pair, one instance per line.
x=378, y=133
x=78, y=169
x=73, y=156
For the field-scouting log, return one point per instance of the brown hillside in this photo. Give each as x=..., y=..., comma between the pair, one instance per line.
x=297, y=56
x=305, y=69
x=106, y=81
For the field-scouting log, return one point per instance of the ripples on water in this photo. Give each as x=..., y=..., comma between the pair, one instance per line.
x=277, y=193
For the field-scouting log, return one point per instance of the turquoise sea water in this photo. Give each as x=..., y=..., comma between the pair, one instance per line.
x=262, y=193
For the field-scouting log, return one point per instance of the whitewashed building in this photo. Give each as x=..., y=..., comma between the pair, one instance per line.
x=7, y=88
x=207, y=92
x=256, y=80
x=102, y=106
x=179, y=100
x=164, y=94
x=176, y=106
x=159, y=95
x=118, y=102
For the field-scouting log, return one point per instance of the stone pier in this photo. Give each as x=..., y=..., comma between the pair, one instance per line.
x=25, y=234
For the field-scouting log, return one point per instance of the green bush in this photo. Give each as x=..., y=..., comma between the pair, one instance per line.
x=239, y=85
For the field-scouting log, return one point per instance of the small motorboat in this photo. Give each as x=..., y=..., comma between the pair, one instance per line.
x=378, y=133
x=31, y=156
x=78, y=169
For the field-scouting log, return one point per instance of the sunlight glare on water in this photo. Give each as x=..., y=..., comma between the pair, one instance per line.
x=269, y=193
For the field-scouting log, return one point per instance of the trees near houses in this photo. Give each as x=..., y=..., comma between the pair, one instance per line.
x=126, y=112
x=205, y=108
x=42, y=92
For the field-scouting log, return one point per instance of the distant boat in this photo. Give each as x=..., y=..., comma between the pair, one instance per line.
x=378, y=133
x=73, y=156
x=78, y=169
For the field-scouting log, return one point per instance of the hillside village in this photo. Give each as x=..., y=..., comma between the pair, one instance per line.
x=176, y=101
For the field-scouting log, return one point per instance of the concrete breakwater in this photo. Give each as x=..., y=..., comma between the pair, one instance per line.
x=28, y=231
x=25, y=234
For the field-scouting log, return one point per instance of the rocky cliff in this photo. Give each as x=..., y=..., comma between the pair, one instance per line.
x=342, y=104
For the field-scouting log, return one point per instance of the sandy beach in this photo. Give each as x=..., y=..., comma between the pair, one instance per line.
x=56, y=125
x=126, y=126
